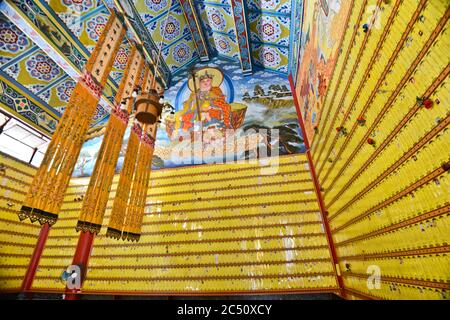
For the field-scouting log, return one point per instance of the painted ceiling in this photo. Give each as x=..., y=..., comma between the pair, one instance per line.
x=44, y=44
x=234, y=29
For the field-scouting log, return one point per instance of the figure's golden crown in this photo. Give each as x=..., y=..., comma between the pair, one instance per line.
x=206, y=75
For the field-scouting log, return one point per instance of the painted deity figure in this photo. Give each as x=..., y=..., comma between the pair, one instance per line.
x=210, y=102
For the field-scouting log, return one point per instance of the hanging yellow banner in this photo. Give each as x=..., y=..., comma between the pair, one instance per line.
x=136, y=204
x=120, y=204
x=99, y=187
x=49, y=185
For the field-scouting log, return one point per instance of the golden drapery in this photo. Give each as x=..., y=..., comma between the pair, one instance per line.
x=46, y=193
x=120, y=204
x=99, y=187
x=129, y=204
x=136, y=204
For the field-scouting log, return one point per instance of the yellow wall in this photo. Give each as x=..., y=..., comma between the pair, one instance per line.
x=17, y=239
x=213, y=228
x=388, y=205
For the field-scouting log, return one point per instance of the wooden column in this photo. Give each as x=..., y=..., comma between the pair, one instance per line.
x=34, y=262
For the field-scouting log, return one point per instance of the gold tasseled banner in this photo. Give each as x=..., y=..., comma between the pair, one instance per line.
x=136, y=204
x=49, y=185
x=96, y=199
x=99, y=186
x=120, y=203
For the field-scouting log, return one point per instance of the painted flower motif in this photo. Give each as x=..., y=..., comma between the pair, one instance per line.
x=181, y=52
x=14, y=70
x=64, y=91
x=79, y=5
x=170, y=28
x=269, y=4
x=35, y=88
x=270, y=57
x=45, y=95
x=222, y=44
x=268, y=29
x=11, y=38
x=121, y=58
x=156, y=5
x=95, y=27
x=216, y=19
x=42, y=67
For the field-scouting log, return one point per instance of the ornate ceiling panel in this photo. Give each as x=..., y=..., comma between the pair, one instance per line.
x=180, y=53
x=268, y=29
x=271, y=57
x=263, y=35
x=86, y=19
x=218, y=23
x=226, y=46
x=28, y=70
x=169, y=30
x=26, y=75
x=270, y=33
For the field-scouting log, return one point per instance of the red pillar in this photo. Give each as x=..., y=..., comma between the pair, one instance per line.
x=34, y=262
x=81, y=258
x=323, y=210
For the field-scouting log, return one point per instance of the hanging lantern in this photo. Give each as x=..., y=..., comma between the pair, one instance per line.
x=129, y=204
x=148, y=108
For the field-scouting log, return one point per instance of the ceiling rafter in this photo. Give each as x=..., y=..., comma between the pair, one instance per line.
x=71, y=60
x=195, y=28
x=242, y=35
x=143, y=37
x=23, y=104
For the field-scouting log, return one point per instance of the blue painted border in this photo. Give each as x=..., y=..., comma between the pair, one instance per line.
x=271, y=44
x=27, y=92
x=21, y=56
x=232, y=37
x=155, y=18
x=231, y=59
x=53, y=84
x=271, y=13
x=300, y=40
x=292, y=31
x=263, y=68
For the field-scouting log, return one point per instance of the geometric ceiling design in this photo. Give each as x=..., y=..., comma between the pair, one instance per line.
x=27, y=71
x=269, y=25
x=169, y=30
x=44, y=44
x=28, y=78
